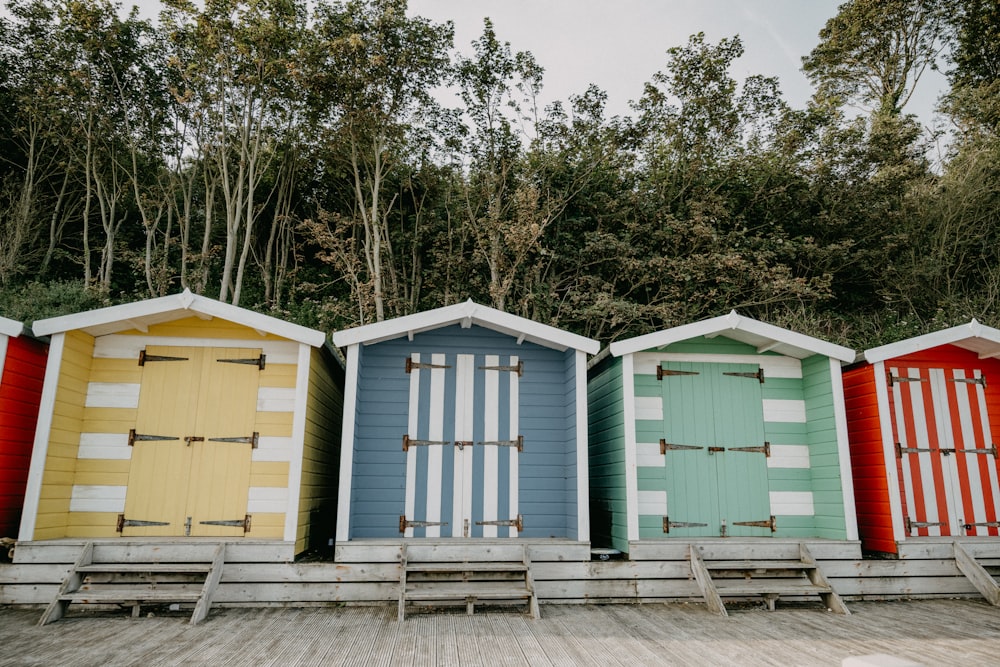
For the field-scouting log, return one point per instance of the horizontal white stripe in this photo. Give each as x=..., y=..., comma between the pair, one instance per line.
x=97, y=498
x=272, y=448
x=792, y=503
x=649, y=407
x=647, y=454
x=276, y=399
x=112, y=395
x=128, y=347
x=104, y=446
x=788, y=456
x=775, y=366
x=267, y=499
x=776, y=410
x=652, y=502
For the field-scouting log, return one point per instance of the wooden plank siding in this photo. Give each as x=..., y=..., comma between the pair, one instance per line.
x=606, y=424
x=22, y=365
x=826, y=475
x=321, y=453
x=547, y=492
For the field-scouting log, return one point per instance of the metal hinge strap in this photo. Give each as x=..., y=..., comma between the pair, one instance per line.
x=758, y=375
x=765, y=450
x=946, y=451
x=411, y=364
x=251, y=440
x=665, y=446
x=767, y=523
x=518, y=442
x=405, y=523
x=517, y=523
x=519, y=368
x=411, y=442
x=981, y=380
x=143, y=358
x=668, y=524
x=134, y=437
x=662, y=372
x=128, y=523
x=234, y=523
x=910, y=524
x=986, y=524
x=258, y=362
x=902, y=378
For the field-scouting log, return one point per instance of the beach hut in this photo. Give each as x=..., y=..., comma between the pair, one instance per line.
x=728, y=427
x=922, y=414
x=22, y=364
x=464, y=421
x=181, y=418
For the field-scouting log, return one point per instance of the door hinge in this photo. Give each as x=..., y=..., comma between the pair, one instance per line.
x=902, y=378
x=662, y=372
x=668, y=524
x=946, y=451
x=234, y=523
x=910, y=524
x=405, y=523
x=143, y=358
x=765, y=449
x=669, y=446
x=408, y=442
x=518, y=368
x=129, y=523
x=981, y=380
x=767, y=523
x=984, y=524
x=134, y=437
x=516, y=523
x=411, y=364
x=251, y=440
x=518, y=442
x=258, y=362
x=758, y=375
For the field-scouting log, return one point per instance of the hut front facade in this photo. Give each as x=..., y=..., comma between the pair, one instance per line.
x=722, y=428
x=184, y=417
x=922, y=413
x=464, y=421
x=22, y=365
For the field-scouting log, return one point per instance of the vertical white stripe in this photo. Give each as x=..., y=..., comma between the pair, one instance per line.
x=3, y=352
x=514, y=431
x=582, y=455
x=903, y=437
x=954, y=509
x=410, y=503
x=491, y=431
x=461, y=507
x=435, y=453
x=40, y=447
x=889, y=451
x=843, y=450
x=963, y=408
x=347, y=445
x=927, y=481
x=991, y=465
x=631, y=475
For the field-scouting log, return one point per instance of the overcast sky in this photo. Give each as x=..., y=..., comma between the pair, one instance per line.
x=619, y=44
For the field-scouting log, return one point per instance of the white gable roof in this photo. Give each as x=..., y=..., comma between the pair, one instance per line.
x=974, y=337
x=764, y=337
x=466, y=314
x=143, y=314
x=11, y=328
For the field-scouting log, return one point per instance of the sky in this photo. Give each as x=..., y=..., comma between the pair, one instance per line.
x=619, y=44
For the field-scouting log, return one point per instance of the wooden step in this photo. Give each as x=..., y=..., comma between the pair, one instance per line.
x=151, y=568
x=112, y=595
x=758, y=565
x=439, y=591
x=735, y=587
x=466, y=567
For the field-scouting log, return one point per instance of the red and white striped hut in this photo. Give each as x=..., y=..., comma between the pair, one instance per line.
x=922, y=414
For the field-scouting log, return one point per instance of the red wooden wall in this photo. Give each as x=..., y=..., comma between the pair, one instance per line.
x=20, y=392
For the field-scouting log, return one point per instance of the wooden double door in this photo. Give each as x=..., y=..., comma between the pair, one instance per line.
x=192, y=442
x=945, y=454
x=715, y=456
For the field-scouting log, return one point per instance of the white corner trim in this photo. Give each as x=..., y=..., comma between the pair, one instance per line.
x=631, y=476
x=3, y=352
x=347, y=444
x=889, y=451
x=843, y=450
x=43, y=430
x=298, y=441
x=582, y=451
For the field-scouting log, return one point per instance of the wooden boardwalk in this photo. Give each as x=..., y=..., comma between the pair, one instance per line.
x=934, y=632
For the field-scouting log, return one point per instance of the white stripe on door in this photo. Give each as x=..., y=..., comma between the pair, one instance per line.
x=410, y=504
x=465, y=403
x=435, y=453
x=491, y=431
x=513, y=432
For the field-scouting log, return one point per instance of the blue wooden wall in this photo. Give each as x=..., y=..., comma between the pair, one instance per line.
x=547, y=468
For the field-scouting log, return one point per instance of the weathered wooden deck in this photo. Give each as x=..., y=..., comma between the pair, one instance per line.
x=934, y=632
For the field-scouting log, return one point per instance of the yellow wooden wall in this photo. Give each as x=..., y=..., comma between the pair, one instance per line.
x=64, y=469
x=321, y=453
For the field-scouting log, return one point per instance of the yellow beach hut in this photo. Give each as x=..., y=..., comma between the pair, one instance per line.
x=182, y=417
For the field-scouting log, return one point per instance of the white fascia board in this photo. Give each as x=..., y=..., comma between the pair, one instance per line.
x=731, y=322
x=944, y=337
x=185, y=301
x=490, y=318
x=11, y=328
